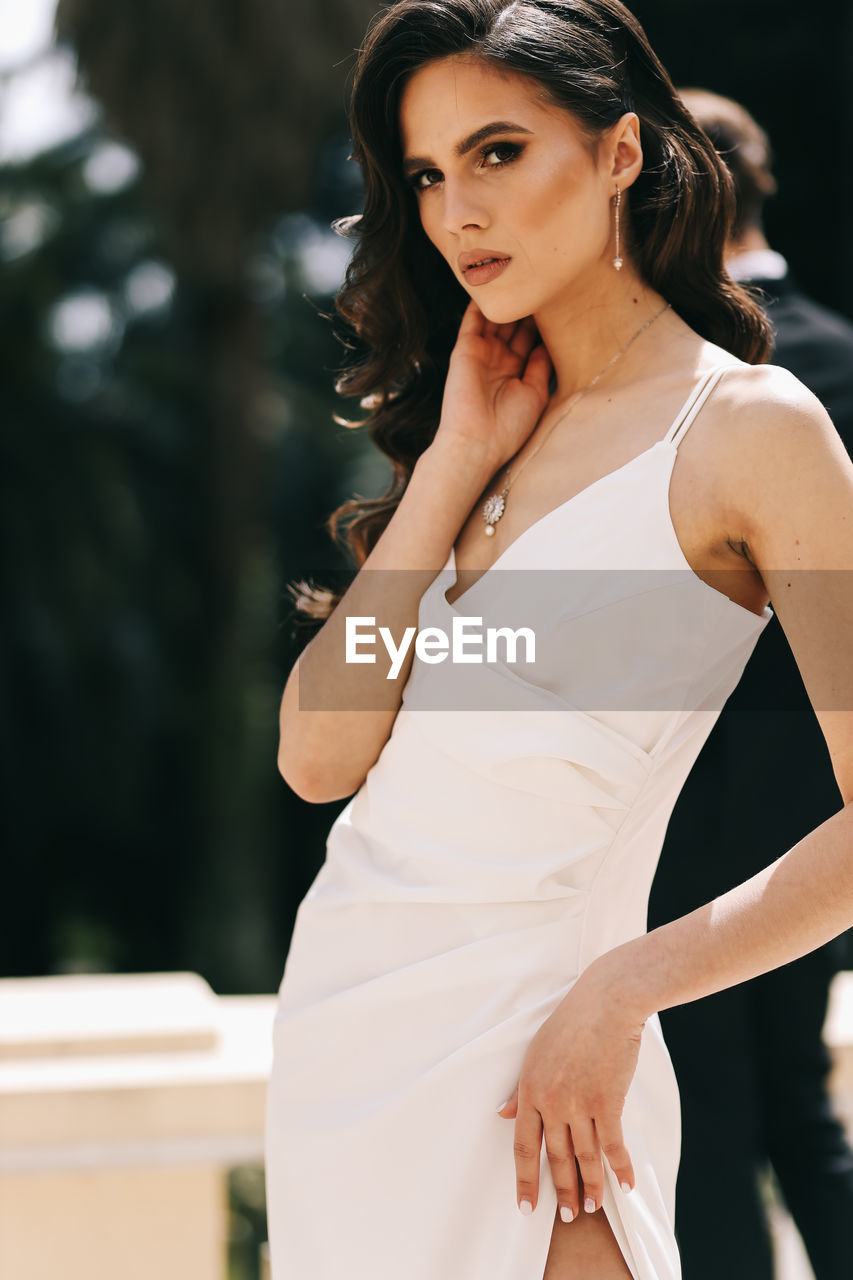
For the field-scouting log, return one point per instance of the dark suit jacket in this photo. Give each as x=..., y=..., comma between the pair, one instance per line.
x=763, y=779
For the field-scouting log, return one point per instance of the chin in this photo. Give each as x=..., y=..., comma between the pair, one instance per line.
x=501, y=310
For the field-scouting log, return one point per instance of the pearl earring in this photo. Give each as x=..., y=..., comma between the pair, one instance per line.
x=617, y=261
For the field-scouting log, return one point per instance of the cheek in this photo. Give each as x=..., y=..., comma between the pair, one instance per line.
x=561, y=219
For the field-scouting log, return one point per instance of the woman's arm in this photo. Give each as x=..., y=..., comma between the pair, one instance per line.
x=791, y=485
x=793, y=489
x=335, y=715
x=324, y=754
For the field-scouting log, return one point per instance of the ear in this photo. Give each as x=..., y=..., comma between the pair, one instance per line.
x=622, y=152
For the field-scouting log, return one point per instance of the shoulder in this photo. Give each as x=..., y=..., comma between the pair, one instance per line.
x=765, y=415
x=753, y=388
x=776, y=456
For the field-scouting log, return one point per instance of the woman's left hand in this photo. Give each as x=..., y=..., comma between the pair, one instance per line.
x=573, y=1084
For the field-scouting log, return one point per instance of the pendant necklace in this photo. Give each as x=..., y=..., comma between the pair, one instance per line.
x=494, y=506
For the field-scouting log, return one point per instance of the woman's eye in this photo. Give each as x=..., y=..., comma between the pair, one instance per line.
x=508, y=150
x=505, y=152
x=416, y=179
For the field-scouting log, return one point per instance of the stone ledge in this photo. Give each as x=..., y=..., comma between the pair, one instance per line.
x=78, y=1108
x=106, y=1013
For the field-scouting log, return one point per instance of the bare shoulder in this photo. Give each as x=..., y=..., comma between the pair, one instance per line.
x=776, y=457
x=765, y=408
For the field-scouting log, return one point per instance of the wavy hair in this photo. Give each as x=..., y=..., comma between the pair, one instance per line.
x=399, y=298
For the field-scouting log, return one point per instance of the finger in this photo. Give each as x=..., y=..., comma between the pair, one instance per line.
x=588, y=1156
x=527, y=1146
x=506, y=333
x=509, y=1109
x=472, y=319
x=609, y=1131
x=526, y=337
x=537, y=373
x=564, y=1171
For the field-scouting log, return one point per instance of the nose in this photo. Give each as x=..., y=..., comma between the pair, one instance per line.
x=462, y=210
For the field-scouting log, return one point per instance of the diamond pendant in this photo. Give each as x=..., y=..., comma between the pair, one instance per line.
x=493, y=509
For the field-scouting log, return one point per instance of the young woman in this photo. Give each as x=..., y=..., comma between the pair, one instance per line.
x=565, y=379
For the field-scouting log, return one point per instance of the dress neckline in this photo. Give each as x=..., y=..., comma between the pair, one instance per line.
x=545, y=516
x=758, y=619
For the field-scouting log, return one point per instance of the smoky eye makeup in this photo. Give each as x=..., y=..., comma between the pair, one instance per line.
x=510, y=151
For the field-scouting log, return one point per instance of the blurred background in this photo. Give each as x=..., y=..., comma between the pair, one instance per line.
x=168, y=174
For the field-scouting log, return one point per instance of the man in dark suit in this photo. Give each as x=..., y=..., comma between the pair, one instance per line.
x=751, y=1061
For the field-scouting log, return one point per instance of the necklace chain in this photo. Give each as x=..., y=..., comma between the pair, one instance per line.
x=494, y=506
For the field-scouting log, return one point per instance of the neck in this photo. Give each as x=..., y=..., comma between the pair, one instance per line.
x=582, y=332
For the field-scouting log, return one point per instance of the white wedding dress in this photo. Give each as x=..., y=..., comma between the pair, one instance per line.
x=506, y=836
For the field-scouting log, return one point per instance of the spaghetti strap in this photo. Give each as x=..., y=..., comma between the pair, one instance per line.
x=693, y=404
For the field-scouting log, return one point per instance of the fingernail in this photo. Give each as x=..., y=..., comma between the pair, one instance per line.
x=566, y=1213
x=504, y=1104
x=626, y=1187
x=526, y=1207
x=589, y=1204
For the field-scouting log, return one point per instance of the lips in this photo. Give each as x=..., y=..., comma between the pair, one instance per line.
x=476, y=258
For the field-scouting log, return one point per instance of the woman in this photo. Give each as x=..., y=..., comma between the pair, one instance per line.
x=539, y=289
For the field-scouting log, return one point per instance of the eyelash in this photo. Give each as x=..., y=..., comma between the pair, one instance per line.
x=515, y=149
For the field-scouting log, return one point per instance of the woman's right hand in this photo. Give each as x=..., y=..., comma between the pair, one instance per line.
x=496, y=389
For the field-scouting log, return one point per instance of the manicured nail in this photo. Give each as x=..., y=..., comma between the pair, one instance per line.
x=589, y=1204
x=566, y=1213
x=526, y=1207
x=626, y=1187
x=504, y=1104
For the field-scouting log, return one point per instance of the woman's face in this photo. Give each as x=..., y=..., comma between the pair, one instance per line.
x=527, y=189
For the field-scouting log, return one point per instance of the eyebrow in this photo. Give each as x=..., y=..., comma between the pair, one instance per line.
x=411, y=163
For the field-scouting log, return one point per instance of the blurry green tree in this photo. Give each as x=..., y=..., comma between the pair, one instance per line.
x=152, y=576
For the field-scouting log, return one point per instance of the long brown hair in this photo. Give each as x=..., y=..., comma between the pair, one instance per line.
x=402, y=301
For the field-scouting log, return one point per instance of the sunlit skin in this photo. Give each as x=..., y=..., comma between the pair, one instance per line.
x=539, y=197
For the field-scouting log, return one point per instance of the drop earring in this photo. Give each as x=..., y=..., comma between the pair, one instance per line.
x=617, y=261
